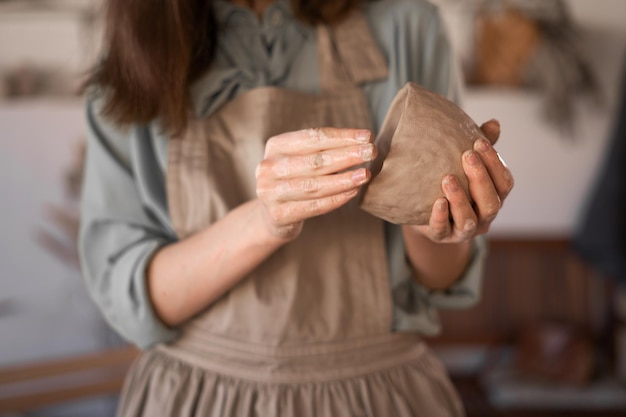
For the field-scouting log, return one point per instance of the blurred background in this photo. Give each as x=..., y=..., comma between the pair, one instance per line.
x=549, y=337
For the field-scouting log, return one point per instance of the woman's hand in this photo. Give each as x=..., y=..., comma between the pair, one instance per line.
x=455, y=219
x=310, y=172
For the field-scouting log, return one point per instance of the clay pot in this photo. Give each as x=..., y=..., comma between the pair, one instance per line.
x=421, y=140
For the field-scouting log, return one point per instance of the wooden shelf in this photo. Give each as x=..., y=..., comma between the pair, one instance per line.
x=32, y=386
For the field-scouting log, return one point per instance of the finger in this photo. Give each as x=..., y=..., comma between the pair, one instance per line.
x=296, y=211
x=307, y=141
x=487, y=202
x=499, y=172
x=321, y=163
x=491, y=129
x=439, y=223
x=307, y=188
x=464, y=220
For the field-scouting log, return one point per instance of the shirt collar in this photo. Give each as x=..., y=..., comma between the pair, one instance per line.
x=226, y=10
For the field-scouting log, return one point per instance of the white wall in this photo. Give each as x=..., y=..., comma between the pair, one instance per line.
x=45, y=311
x=44, y=308
x=553, y=172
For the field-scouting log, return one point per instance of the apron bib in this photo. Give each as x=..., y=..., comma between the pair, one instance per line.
x=330, y=284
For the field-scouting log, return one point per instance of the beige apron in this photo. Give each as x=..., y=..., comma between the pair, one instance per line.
x=309, y=331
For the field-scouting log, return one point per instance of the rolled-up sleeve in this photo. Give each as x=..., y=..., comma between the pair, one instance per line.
x=466, y=292
x=415, y=306
x=119, y=234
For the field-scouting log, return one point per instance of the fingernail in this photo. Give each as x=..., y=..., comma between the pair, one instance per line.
x=367, y=152
x=451, y=183
x=469, y=225
x=363, y=135
x=359, y=176
x=481, y=145
x=472, y=158
x=441, y=205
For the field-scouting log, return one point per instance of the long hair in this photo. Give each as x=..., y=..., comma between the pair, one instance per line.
x=154, y=49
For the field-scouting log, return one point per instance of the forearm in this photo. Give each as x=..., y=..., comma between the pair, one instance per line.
x=436, y=265
x=187, y=276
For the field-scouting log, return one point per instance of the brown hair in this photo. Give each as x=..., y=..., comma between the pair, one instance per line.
x=154, y=49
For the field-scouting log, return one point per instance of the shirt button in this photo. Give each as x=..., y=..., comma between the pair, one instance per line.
x=276, y=18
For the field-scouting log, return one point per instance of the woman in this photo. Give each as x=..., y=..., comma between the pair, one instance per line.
x=220, y=231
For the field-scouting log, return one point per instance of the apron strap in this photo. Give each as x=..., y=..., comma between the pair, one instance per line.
x=348, y=54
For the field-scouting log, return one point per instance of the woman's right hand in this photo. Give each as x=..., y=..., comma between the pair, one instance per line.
x=310, y=172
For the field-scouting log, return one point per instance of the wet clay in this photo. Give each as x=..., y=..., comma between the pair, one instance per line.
x=422, y=139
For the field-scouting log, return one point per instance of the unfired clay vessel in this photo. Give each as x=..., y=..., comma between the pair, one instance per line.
x=422, y=139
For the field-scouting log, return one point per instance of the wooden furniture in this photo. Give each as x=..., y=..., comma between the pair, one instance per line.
x=33, y=386
x=528, y=280
x=477, y=405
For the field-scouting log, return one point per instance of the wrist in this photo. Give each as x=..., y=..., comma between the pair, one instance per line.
x=436, y=265
x=274, y=233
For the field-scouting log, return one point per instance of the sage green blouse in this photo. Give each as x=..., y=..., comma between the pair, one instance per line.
x=125, y=215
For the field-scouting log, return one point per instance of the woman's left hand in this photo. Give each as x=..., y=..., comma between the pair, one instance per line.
x=454, y=219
